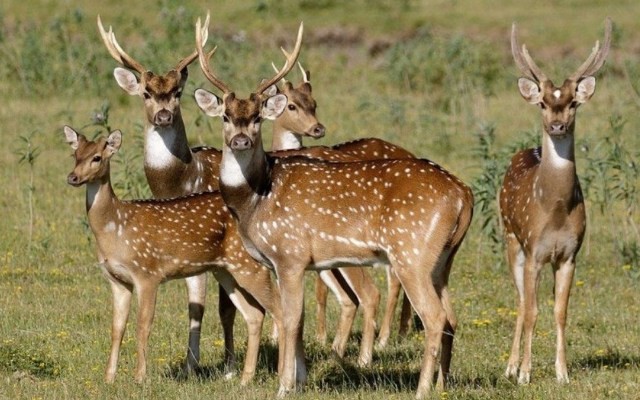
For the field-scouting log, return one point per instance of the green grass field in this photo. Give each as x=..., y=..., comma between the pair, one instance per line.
x=435, y=77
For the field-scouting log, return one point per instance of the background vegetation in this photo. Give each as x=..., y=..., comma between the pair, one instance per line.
x=436, y=77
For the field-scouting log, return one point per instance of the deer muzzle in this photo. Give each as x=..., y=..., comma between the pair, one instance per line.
x=240, y=142
x=317, y=131
x=73, y=179
x=163, y=118
x=557, y=129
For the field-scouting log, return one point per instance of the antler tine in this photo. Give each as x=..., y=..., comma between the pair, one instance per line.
x=288, y=65
x=597, y=57
x=186, y=61
x=109, y=39
x=276, y=69
x=523, y=60
x=202, y=34
x=305, y=77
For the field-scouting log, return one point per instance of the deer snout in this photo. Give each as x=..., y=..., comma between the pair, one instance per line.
x=557, y=128
x=240, y=142
x=317, y=131
x=73, y=180
x=163, y=118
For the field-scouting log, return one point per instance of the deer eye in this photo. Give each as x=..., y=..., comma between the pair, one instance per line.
x=225, y=118
x=178, y=94
x=96, y=159
x=146, y=95
x=573, y=104
x=291, y=107
x=257, y=120
x=543, y=106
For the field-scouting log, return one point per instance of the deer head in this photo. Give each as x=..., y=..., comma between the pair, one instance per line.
x=92, y=158
x=242, y=118
x=161, y=93
x=559, y=104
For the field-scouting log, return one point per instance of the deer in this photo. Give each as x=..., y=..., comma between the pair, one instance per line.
x=173, y=169
x=143, y=243
x=541, y=203
x=296, y=214
x=297, y=121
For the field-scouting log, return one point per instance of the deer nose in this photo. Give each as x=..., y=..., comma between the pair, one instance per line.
x=557, y=128
x=73, y=179
x=163, y=118
x=317, y=131
x=240, y=142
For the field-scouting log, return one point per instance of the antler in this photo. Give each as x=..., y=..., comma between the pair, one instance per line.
x=276, y=69
x=186, y=61
x=202, y=33
x=116, y=51
x=597, y=57
x=288, y=65
x=524, y=61
x=305, y=74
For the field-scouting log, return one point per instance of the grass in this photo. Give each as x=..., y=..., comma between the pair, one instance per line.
x=430, y=77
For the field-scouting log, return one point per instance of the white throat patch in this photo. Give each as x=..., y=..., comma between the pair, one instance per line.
x=288, y=141
x=233, y=167
x=158, y=141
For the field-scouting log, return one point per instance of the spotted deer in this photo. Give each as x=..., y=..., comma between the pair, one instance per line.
x=174, y=169
x=541, y=203
x=143, y=243
x=297, y=214
x=297, y=121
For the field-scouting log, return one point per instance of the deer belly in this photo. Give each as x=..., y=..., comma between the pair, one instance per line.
x=117, y=271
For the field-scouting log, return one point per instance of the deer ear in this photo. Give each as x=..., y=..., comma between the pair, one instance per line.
x=72, y=137
x=271, y=90
x=586, y=88
x=274, y=106
x=530, y=90
x=127, y=81
x=113, y=142
x=306, y=87
x=208, y=102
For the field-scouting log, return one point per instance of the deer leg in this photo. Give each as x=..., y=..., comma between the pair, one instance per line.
x=253, y=314
x=197, y=293
x=147, y=294
x=515, y=258
x=420, y=289
x=227, y=313
x=562, y=290
x=368, y=296
x=322, y=292
x=447, y=339
x=348, y=308
x=531, y=282
x=393, y=292
x=405, y=316
x=121, y=304
x=291, y=282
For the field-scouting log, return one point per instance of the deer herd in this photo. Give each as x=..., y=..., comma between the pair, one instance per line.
x=258, y=220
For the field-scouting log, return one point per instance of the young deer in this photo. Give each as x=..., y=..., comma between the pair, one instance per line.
x=173, y=169
x=297, y=121
x=296, y=214
x=541, y=202
x=144, y=243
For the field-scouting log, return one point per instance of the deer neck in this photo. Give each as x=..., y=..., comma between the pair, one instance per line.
x=245, y=177
x=166, y=153
x=284, y=139
x=102, y=206
x=556, y=180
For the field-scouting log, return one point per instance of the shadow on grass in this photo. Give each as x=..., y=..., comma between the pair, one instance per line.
x=267, y=364
x=612, y=359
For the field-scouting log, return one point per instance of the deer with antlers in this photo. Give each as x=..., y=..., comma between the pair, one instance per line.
x=143, y=243
x=173, y=169
x=297, y=121
x=541, y=203
x=296, y=214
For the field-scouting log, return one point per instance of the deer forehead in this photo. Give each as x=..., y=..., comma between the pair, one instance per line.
x=559, y=97
x=301, y=99
x=162, y=85
x=243, y=111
